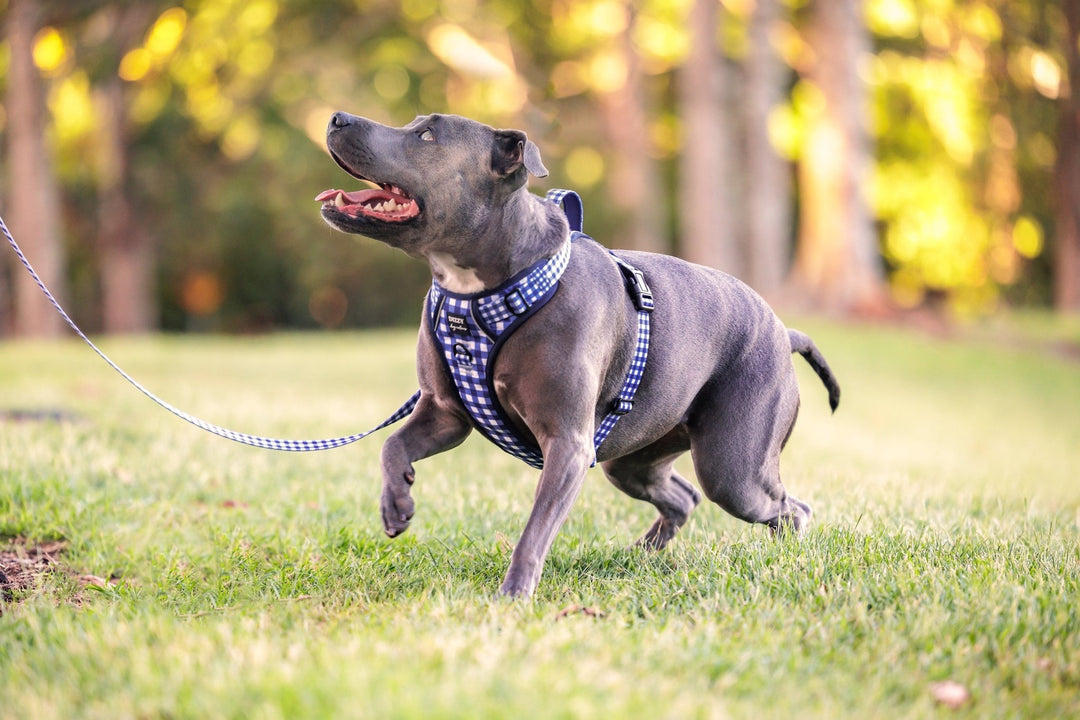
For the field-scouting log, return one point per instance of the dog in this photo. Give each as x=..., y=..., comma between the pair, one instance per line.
x=718, y=380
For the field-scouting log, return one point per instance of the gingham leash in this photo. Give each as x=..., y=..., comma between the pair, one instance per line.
x=252, y=440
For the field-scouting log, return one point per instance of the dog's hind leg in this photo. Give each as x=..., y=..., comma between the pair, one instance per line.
x=736, y=434
x=649, y=475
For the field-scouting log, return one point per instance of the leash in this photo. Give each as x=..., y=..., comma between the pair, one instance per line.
x=252, y=440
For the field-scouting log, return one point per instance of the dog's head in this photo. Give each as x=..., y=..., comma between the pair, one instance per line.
x=439, y=179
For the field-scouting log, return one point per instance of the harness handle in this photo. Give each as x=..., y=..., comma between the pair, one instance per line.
x=571, y=204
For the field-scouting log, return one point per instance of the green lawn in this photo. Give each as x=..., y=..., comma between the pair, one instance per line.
x=253, y=584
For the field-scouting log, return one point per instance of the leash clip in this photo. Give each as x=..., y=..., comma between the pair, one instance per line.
x=639, y=289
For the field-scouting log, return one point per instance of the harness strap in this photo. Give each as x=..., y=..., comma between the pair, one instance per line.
x=624, y=402
x=643, y=301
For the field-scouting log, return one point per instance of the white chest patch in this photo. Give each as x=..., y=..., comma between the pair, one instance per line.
x=453, y=277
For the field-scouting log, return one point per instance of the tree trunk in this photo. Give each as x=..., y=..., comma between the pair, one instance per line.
x=127, y=253
x=1067, y=176
x=837, y=264
x=34, y=213
x=707, y=182
x=6, y=259
x=768, y=184
x=632, y=182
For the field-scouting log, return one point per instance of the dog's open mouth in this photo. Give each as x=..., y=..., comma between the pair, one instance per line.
x=388, y=203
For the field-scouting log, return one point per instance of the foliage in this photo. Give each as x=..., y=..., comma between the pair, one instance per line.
x=964, y=116
x=228, y=100
x=247, y=583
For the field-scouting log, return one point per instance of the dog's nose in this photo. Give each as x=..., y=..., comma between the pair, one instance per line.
x=341, y=119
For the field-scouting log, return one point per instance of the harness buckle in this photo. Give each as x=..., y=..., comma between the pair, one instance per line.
x=622, y=406
x=462, y=356
x=639, y=290
x=515, y=301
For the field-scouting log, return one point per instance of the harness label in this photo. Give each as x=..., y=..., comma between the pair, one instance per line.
x=459, y=324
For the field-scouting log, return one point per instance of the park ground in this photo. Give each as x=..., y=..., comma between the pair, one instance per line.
x=154, y=571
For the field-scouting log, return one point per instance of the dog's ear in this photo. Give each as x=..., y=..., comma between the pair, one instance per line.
x=511, y=150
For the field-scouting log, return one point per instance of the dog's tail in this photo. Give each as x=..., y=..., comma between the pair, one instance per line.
x=802, y=344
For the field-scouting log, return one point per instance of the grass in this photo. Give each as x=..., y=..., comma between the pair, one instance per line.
x=253, y=584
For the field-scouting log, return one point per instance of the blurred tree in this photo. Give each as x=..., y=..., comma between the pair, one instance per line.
x=1067, y=171
x=964, y=99
x=34, y=215
x=5, y=294
x=599, y=77
x=707, y=190
x=633, y=185
x=768, y=202
x=127, y=257
x=837, y=264
x=203, y=128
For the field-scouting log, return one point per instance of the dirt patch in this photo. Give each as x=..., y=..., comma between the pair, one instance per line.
x=24, y=564
x=38, y=415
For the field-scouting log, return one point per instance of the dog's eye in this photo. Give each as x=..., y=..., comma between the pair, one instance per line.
x=427, y=136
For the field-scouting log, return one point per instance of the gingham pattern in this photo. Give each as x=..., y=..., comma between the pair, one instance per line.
x=469, y=329
x=253, y=440
x=571, y=206
x=624, y=403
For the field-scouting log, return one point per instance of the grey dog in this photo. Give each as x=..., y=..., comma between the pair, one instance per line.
x=718, y=382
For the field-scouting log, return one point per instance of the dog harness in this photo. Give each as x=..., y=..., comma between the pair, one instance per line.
x=471, y=329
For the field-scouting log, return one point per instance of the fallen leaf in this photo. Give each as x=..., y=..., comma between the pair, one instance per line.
x=579, y=609
x=949, y=693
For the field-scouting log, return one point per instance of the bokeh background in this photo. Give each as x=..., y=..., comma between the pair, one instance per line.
x=881, y=158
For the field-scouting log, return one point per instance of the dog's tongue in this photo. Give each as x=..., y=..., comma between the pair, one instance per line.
x=351, y=198
x=379, y=203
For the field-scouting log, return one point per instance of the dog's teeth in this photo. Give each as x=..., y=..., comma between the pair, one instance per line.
x=391, y=205
x=339, y=200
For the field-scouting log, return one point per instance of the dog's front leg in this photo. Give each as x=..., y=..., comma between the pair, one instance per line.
x=431, y=429
x=565, y=461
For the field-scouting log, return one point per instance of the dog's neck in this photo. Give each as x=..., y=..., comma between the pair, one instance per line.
x=454, y=277
x=526, y=229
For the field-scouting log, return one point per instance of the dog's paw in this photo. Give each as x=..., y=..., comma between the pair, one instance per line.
x=397, y=510
x=793, y=521
x=658, y=536
x=517, y=585
x=514, y=590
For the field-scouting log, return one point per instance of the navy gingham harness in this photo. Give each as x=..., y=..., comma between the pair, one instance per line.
x=471, y=329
